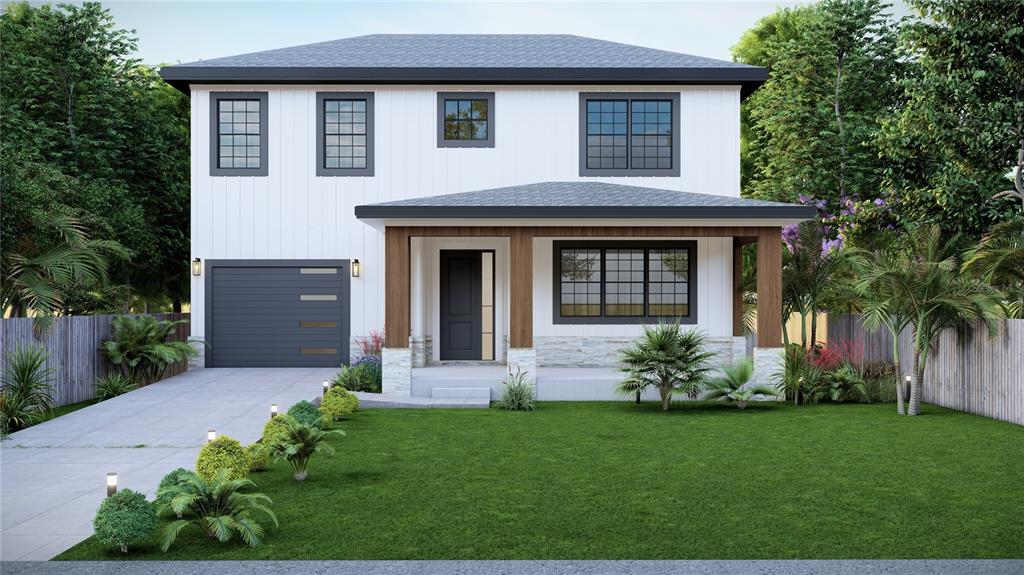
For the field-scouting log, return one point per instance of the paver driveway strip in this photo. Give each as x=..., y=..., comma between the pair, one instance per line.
x=52, y=475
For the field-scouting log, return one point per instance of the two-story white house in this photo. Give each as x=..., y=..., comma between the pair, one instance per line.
x=520, y=200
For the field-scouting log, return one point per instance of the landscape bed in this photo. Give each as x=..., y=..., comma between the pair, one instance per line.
x=618, y=481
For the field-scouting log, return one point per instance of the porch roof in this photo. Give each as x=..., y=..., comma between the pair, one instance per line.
x=584, y=199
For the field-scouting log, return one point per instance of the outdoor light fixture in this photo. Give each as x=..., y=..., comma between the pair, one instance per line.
x=327, y=385
x=111, y=484
x=273, y=410
x=211, y=435
x=197, y=267
x=355, y=268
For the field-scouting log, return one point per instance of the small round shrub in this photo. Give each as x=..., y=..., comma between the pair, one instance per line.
x=222, y=453
x=259, y=457
x=124, y=518
x=275, y=428
x=305, y=413
x=338, y=403
x=172, y=479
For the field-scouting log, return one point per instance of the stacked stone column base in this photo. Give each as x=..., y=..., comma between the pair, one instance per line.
x=523, y=359
x=769, y=365
x=396, y=365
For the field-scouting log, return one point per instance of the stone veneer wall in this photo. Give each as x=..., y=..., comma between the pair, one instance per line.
x=768, y=362
x=422, y=349
x=199, y=361
x=525, y=359
x=397, y=367
x=583, y=351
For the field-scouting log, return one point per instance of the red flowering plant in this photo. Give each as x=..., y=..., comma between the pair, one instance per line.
x=372, y=344
x=839, y=352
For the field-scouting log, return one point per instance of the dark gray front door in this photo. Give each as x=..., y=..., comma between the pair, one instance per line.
x=289, y=314
x=461, y=312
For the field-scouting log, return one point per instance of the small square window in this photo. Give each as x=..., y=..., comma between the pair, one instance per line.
x=465, y=120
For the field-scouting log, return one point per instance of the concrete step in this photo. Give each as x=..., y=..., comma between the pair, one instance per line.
x=461, y=393
x=400, y=401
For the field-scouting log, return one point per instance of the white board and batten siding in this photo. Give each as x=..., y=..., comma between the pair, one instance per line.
x=293, y=214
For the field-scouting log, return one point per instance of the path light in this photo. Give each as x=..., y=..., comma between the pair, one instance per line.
x=327, y=385
x=355, y=268
x=211, y=435
x=273, y=410
x=111, y=484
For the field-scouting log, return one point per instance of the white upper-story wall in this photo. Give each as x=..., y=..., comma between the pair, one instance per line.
x=292, y=213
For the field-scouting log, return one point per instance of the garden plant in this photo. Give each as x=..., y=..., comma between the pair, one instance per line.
x=299, y=444
x=518, y=392
x=665, y=357
x=25, y=390
x=140, y=347
x=733, y=385
x=223, y=453
x=124, y=518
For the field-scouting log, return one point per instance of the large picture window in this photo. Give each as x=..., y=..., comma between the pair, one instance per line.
x=624, y=282
x=629, y=134
x=344, y=134
x=238, y=133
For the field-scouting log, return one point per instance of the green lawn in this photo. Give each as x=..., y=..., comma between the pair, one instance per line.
x=616, y=481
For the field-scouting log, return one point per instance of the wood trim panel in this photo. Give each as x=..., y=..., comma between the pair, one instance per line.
x=769, y=288
x=396, y=287
x=748, y=234
x=737, y=289
x=520, y=289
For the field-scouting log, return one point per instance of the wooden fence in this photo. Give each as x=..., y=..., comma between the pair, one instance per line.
x=971, y=372
x=73, y=345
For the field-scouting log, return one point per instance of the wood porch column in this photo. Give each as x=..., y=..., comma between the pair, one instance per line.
x=737, y=290
x=521, y=288
x=769, y=287
x=396, y=287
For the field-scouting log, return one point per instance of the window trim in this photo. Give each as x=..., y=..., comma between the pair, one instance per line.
x=344, y=172
x=629, y=96
x=215, y=169
x=444, y=143
x=556, y=273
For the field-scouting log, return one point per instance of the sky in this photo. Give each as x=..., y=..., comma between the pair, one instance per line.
x=184, y=31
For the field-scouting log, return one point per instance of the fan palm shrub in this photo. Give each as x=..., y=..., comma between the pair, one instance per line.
x=920, y=279
x=733, y=385
x=220, y=507
x=667, y=358
x=25, y=390
x=140, y=347
x=299, y=443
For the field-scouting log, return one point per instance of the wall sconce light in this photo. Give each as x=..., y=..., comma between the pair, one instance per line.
x=197, y=267
x=111, y=484
x=355, y=268
x=327, y=385
x=211, y=435
x=273, y=410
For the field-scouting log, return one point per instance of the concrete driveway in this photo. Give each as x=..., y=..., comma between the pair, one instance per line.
x=53, y=475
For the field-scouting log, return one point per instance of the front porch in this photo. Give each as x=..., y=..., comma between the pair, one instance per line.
x=553, y=383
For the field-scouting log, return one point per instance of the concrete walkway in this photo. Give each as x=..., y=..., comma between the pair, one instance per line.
x=52, y=475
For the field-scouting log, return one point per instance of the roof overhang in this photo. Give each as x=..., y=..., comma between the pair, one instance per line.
x=384, y=222
x=182, y=76
x=413, y=212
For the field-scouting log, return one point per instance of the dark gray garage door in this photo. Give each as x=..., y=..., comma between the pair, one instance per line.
x=277, y=313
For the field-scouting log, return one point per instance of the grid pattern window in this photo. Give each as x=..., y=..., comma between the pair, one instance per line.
x=651, y=134
x=345, y=134
x=238, y=133
x=465, y=119
x=624, y=282
x=580, y=282
x=668, y=276
x=606, y=134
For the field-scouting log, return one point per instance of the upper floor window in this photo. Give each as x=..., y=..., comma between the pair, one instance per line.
x=238, y=133
x=344, y=133
x=465, y=119
x=629, y=134
x=624, y=282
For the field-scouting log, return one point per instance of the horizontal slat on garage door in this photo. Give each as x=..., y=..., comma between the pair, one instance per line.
x=277, y=316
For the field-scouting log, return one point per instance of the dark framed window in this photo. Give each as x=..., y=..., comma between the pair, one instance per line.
x=465, y=119
x=625, y=281
x=629, y=134
x=344, y=133
x=238, y=134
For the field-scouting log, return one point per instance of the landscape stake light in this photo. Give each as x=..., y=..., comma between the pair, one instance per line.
x=197, y=267
x=111, y=484
x=327, y=385
x=211, y=435
x=273, y=410
x=355, y=268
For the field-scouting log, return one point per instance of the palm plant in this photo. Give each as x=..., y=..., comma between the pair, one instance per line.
x=220, y=507
x=298, y=443
x=140, y=347
x=999, y=260
x=667, y=358
x=921, y=279
x=732, y=385
x=111, y=386
x=25, y=390
x=809, y=268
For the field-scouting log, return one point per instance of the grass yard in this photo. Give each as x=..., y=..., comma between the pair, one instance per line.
x=616, y=481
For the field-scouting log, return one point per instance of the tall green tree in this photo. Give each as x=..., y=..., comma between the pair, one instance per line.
x=834, y=72
x=948, y=151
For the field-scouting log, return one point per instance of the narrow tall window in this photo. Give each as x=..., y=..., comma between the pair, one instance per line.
x=629, y=134
x=344, y=134
x=238, y=130
x=465, y=119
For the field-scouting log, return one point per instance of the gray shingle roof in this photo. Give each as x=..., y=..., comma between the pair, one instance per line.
x=481, y=58
x=583, y=199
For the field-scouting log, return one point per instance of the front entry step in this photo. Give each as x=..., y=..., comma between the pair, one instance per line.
x=461, y=393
